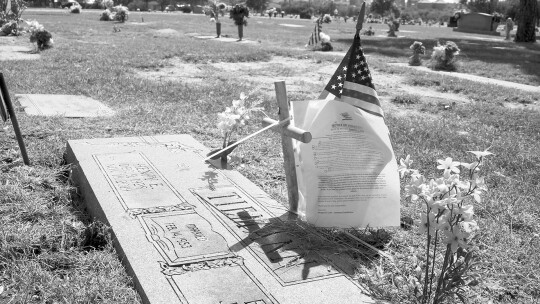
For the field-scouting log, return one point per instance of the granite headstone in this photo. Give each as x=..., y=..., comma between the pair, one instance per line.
x=478, y=23
x=195, y=232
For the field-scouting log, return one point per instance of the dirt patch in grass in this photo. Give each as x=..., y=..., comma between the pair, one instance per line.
x=305, y=78
x=301, y=75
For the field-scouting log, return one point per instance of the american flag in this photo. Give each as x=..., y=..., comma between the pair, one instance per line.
x=352, y=82
x=314, y=38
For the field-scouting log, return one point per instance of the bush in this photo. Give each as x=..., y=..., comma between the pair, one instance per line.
x=96, y=5
x=297, y=8
x=185, y=9
x=105, y=15
x=121, y=13
x=76, y=9
x=138, y=4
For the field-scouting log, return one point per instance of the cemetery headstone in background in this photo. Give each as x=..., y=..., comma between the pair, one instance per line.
x=63, y=105
x=478, y=23
x=194, y=232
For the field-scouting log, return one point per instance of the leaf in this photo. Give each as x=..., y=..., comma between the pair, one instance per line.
x=480, y=154
x=1, y=289
x=461, y=298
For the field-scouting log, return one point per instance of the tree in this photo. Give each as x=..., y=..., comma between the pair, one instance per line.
x=526, y=21
x=384, y=7
x=481, y=6
x=257, y=5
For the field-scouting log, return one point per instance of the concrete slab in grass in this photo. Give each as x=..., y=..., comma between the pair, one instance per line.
x=224, y=39
x=497, y=82
x=190, y=231
x=62, y=105
x=16, y=52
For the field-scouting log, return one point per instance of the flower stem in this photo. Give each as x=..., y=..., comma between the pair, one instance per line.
x=441, y=275
x=225, y=139
x=433, y=263
x=424, y=291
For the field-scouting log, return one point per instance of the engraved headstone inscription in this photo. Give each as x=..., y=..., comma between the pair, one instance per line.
x=192, y=232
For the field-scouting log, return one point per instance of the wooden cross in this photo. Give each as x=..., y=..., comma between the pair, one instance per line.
x=7, y=112
x=288, y=133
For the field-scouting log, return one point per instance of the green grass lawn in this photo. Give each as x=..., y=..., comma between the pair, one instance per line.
x=52, y=252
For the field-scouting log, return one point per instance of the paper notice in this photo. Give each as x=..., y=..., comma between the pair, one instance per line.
x=347, y=175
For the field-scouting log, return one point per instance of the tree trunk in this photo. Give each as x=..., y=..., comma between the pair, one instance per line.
x=526, y=21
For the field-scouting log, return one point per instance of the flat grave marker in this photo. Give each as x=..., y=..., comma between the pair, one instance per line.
x=222, y=39
x=74, y=106
x=15, y=52
x=200, y=233
x=502, y=83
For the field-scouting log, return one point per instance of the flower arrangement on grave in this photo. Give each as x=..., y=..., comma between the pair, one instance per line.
x=106, y=15
x=326, y=46
x=239, y=14
x=76, y=8
x=233, y=118
x=417, y=49
x=369, y=32
x=40, y=36
x=122, y=13
x=317, y=31
x=117, y=13
x=214, y=10
x=448, y=222
x=326, y=18
x=9, y=28
x=444, y=56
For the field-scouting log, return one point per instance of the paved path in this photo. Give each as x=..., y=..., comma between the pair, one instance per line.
x=502, y=83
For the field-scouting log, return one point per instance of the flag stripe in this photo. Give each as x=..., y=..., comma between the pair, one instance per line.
x=314, y=38
x=360, y=88
x=366, y=106
x=361, y=96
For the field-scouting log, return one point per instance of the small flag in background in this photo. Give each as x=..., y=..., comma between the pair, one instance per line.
x=352, y=82
x=314, y=38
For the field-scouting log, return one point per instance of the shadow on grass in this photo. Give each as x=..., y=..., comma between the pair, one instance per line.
x=524, y=55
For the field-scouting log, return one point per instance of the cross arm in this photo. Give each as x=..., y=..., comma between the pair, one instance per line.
x=289, y=130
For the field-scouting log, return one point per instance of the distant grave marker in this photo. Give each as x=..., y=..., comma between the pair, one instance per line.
x=478, y=23
x=222, y=39
x=63, y=105
x=194, y=232
x=291, y=25
x=15, y=52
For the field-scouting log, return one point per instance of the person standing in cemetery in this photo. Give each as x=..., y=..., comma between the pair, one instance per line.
x=508, y=28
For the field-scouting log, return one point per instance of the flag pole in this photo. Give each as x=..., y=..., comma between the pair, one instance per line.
x=360, y=21
x=13, y=118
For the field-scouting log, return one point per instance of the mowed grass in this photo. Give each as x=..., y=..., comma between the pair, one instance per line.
x=52, y=252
